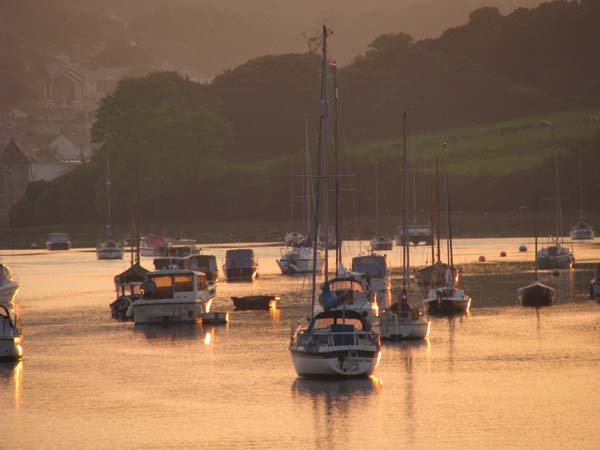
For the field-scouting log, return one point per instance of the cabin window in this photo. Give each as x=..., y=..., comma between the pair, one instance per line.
x=184, y=283
x=164, y=286
x=202, y=283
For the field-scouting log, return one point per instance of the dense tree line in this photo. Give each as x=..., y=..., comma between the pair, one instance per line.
x=230, y=145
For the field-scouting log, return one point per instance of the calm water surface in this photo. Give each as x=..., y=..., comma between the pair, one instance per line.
x=502, y=377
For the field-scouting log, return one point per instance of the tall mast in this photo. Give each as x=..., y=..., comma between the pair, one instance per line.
x=338, y=208
x=556, y=199
x=580, y=183
x=432, y=221
x=322, y=141
x=307, y=179
x=405, y=252
x=414, y=186
x=325, y=116
x=450, y=249
x=536, y=244
x=108, y=205
x=376, y=198
x=437, y=210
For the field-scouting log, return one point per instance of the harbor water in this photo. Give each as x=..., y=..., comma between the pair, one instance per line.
x=502, y=376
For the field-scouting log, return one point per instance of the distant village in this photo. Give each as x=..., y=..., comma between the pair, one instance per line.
x=49, y=134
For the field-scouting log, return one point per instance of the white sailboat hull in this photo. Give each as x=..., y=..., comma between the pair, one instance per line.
x=393, y=326
x=343, y=362
x=299, y=261
x=170, y=310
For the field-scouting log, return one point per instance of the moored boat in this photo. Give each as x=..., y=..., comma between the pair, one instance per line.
x=240, y=265
x=595, y=286
x=128, y=287
x=109, y=249
x=376, y=271
x=581, y=231
x=58, y=241
x=173, y=295
x=447, y=300
x=379, y=243
x=555, y=257
x=255, y=302
x=300, y=260
x=11, y=333
x=8, y=285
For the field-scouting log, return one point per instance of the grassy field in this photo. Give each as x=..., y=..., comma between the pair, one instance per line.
x=497, y=148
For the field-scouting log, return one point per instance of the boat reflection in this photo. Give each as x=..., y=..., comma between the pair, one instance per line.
x=340, y=389
x=11, y=373
x=171, y=331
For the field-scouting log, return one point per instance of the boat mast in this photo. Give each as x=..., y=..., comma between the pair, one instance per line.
x=307, y=179
x=437, y=210
x=556, y=199
x=580, y=184
x=536, y=246
x=338, y=208
x=450, y=249
x=405, y=250
x=376, y=198
x=108, y=183
x=432, y=221
x=414, y=186
x=322, y=141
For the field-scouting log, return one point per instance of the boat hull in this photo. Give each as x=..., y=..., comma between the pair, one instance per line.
x=58, y=246
x=536, y=296
x=241, y=273
x=558, y=262
x=288, y=267
x=109, y=254
x=448, y=306
x=393, y=327
x=342, y=363
x=167, y=311
x=254, y=302
x=8, y=292
x=11, y=348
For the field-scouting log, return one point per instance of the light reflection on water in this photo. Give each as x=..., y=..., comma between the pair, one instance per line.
x=501, y=377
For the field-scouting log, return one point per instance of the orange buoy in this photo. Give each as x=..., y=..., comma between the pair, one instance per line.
x=482, y=258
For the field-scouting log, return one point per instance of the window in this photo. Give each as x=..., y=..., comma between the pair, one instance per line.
x=184, y=283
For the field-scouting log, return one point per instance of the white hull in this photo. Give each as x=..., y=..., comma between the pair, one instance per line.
x=581, y=235
x=344, y=362
x=109, y=253
x=11, y=348
x=392, y=326
x=8, y=291
x=290, y=265
x=170, y=310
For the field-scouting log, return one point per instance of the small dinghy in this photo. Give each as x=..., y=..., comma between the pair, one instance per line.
x=255, y=302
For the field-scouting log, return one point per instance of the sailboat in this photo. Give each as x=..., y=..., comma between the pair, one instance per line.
x=379, y=242
x=109, y=248
x=403, y=320
x=435, y=274
x=300, y=258
x=448, y=298
x=556, y=256
x=536, y=294
x=336, y=342
x=581, y=230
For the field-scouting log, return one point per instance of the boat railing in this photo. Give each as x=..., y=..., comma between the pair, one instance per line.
x=327, y=338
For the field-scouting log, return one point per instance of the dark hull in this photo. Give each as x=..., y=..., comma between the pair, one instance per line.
x=241, y=273
x=448, y=307
x=254, y=302
x=389, y=246
x=536, y=297
x=58, y=246
x=118, y=308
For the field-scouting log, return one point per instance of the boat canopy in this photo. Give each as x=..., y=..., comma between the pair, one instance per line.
x=345, y=284
x=371, y=265
x=135, y=274
x=336, y=317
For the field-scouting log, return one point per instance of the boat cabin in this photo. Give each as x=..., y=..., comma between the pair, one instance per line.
x=174, y=284
x=334, y=327
x=370, y=265
x=240, y=257
x=338, y=285
x=129, y=283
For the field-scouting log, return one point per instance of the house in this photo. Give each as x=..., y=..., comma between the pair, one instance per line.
x=15, y=175
x=71, y=148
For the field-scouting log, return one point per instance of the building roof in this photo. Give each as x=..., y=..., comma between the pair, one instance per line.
x=12, y=153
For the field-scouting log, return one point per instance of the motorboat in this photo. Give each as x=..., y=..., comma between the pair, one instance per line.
x=379, y=243
x=336, y=343
x=11, y=332
x=255, y=302
x=417, y=234
x=109, y=249
x=128, y=287
x=404, y=321
x=447, y=300
x=294, y=238
x=241, y=264
x=375, y=269
x=581, y=231
x=151, y=244
x=173, y=253
x=300, y=260
x=8, y=285
x=171, y=296
x=555, y=256
x=58, y=241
